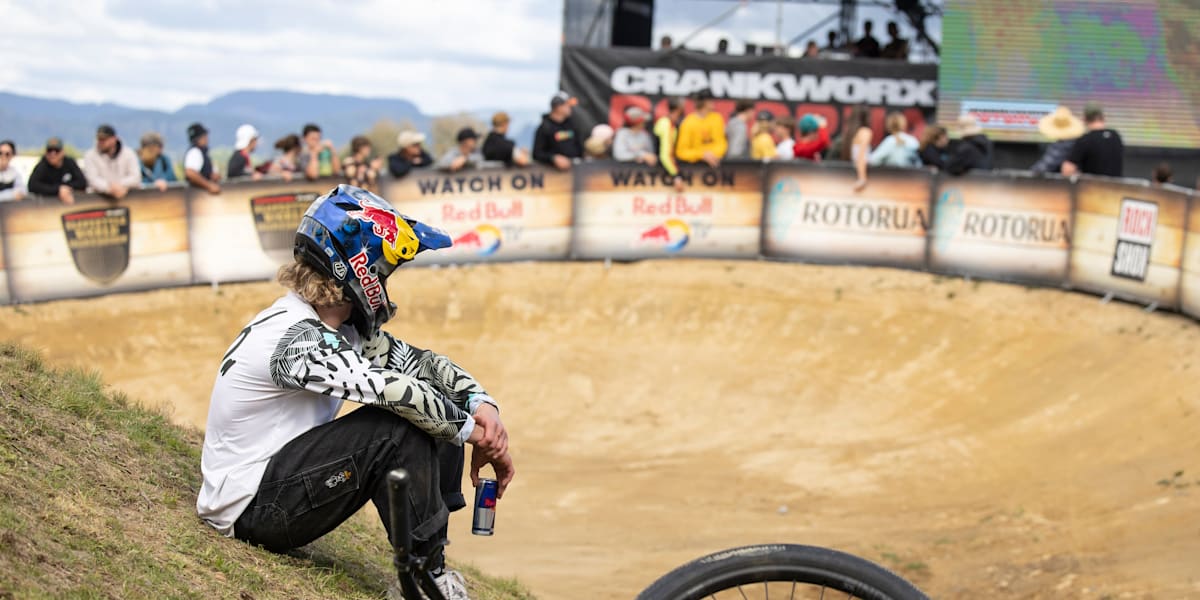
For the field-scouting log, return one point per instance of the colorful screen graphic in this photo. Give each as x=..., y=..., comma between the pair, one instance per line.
x=1011, y=62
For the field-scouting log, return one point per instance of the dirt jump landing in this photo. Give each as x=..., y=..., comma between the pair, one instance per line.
x=985, y=440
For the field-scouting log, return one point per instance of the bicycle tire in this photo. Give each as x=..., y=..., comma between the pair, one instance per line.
x=729, y=569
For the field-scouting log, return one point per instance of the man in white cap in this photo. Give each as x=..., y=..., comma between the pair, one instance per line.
x=632, y=142
x=1062, y=128
x=410, y=155
x=246, y=140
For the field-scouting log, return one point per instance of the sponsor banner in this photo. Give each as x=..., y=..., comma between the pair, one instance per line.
x=96, y=245
x=1007, y=228
x=814, y=214
x=246, y=232
x=492, y=215
x=1000, y=115
x=626, y=211
x=1189, y=288
x=609, y=80
x=1128, y=240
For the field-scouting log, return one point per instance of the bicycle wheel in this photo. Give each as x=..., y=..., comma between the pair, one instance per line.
x=781, y=571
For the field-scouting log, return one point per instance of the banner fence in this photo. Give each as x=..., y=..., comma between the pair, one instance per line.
x=1116, y=237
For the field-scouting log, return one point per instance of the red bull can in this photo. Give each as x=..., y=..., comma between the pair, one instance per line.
x=485, y=507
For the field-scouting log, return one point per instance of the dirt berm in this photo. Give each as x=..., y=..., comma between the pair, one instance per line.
x=985, y=440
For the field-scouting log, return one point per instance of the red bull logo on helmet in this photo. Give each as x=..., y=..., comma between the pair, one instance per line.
x=672, y=235
x=372, y=287
x=484, y=239
x=399, y=240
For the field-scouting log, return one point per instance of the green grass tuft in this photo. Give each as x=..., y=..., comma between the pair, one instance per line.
x=99, y=502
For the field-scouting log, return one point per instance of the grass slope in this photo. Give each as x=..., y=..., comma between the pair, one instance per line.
x=98, y=502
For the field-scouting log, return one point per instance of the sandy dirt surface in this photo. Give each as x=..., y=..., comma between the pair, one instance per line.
x=986, y=440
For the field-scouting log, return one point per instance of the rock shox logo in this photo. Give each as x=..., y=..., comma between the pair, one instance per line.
x=338, y=479
x=1135, y=235
x=276, y=218
x=99, y=242
x=485, y=239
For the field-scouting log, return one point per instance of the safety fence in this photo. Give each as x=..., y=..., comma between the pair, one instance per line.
x=1104, y=236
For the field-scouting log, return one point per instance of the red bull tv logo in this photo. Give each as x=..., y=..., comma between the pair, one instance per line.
x=399, y=241
x=484, y=239
x=672, y=235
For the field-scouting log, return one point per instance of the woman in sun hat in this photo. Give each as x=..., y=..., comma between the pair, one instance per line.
x=1062, y=128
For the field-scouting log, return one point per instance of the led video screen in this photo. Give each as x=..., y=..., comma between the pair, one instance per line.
x=1010, y=63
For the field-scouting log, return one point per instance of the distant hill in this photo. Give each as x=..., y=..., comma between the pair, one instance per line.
x=30, y=120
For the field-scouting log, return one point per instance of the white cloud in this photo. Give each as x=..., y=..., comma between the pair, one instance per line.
x=443, y=55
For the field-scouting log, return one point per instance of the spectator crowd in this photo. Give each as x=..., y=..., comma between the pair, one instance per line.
x=836, y=46
x=686, y=131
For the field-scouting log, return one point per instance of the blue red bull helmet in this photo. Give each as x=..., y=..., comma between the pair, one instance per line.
x=357, y=239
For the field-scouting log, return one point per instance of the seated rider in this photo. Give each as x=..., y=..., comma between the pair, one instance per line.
x=279, y=469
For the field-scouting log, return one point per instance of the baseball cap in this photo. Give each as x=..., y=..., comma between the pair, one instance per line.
x=466, y=133
x=409, y=137
x=54, y=144
x=105, y=131
x=194, y=131
x=765, y=115
x=808, y=124
x=635, y=115
x=151, y=138
x=603, y=132
x=245, y=134
x=561, y=98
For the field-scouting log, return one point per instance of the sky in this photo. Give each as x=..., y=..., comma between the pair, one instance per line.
x=444, y=55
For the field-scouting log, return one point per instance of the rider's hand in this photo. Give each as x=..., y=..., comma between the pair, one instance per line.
x=502, y=465
x=491, y=436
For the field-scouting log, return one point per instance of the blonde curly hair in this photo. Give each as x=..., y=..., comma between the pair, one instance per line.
x=308, y=283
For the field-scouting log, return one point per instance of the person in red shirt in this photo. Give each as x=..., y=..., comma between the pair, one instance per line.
x=814, y=138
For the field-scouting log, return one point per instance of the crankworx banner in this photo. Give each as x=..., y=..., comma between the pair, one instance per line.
x=609, y=80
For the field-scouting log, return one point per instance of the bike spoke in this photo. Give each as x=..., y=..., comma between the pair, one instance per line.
x=740, y=591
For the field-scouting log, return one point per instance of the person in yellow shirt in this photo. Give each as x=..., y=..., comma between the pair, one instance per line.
x=762, y=143
x=702, y=133
x=664, y=130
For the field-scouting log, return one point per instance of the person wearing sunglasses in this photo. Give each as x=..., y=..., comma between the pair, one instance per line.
x=12, y=180
x=57, y=175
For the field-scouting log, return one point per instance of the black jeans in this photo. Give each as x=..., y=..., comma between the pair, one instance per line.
x=325, y=475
